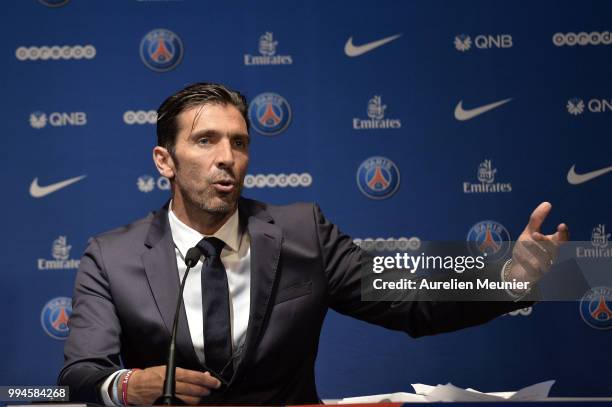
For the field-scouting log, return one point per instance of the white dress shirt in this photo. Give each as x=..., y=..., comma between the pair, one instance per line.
x=236, y=258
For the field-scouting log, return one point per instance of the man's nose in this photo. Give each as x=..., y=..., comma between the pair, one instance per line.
x=225, y=153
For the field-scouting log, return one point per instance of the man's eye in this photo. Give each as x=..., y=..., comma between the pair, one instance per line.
x=203, y=140
x=240, y=143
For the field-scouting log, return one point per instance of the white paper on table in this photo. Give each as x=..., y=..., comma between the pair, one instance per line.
x=536, y=391
x=380, y=398
x=449, y=392
x=423, y=389
x=503, y=394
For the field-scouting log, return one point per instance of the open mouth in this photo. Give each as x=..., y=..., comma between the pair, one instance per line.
x=224, y=185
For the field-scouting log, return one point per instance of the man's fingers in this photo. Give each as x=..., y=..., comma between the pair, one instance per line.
x=197, y=378
x=545, y=242
x=559, y=237
x=528, y=262
x=562, y=234
x=538, y=216
x=193, y=390
x=542, y=250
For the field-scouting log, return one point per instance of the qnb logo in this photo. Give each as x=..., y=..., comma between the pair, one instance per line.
x=599, y=249
x=582, y=38
x=60, y=251
x=577, y=106
x=140, y=117
x=278, y=180
x=524, y=312
x=267, y=50
x=55, y=317
x=486, y=178
x=39, y=120
x=147, y=183
x=376, y=114
x=55, y=52
x=381, y=244
x=464, y=42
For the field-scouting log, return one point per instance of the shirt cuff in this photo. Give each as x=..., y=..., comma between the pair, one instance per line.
x=110, y=400
x=516, y=297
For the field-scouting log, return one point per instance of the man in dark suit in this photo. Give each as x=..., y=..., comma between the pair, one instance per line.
x=250, y=324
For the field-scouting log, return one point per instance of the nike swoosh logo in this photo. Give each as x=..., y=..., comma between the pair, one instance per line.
x=577, y=179
x=356, y=50
x=463, y=115
x=38, y=192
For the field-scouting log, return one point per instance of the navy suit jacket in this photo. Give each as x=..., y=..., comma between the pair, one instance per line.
x=127, y=287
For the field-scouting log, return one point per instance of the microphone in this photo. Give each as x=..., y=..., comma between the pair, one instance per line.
x=168, y=397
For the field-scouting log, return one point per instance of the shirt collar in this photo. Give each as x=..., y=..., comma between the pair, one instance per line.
x=186, y=237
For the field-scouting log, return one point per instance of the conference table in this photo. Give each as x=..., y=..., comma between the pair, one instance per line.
x=549, y=402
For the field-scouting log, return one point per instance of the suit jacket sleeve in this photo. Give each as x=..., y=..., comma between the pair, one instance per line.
x=92, y=349
x=416, y=315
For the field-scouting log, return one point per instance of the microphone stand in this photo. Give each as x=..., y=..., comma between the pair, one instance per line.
x=168, y=397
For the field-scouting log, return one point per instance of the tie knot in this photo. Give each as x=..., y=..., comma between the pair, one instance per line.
x=211, y=246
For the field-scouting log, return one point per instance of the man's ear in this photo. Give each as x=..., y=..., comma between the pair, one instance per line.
x=164, y=162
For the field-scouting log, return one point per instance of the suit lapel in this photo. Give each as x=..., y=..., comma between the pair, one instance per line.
x=266, y=239
x=162, y=274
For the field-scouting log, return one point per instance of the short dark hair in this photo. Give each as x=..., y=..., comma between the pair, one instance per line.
x=198, y=94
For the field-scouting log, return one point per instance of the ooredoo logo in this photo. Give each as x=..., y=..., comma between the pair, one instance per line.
x=381, y=244
x=525, y=312
x=55, y=52
x=571, y=39
x=292, y=180
x=140, y=117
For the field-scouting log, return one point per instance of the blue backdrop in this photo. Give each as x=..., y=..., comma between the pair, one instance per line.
x=513, y=98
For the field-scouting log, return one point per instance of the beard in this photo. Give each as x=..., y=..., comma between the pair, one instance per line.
x=205, y=197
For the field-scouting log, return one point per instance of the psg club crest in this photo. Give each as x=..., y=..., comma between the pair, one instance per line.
x=161, y=50
x=596, y=308
x=269, y=113
x=54, y=317
x=378, y=178
x=489, y=238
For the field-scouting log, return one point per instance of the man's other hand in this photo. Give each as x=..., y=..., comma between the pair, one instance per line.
x=145, y=386
x=534, y=252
